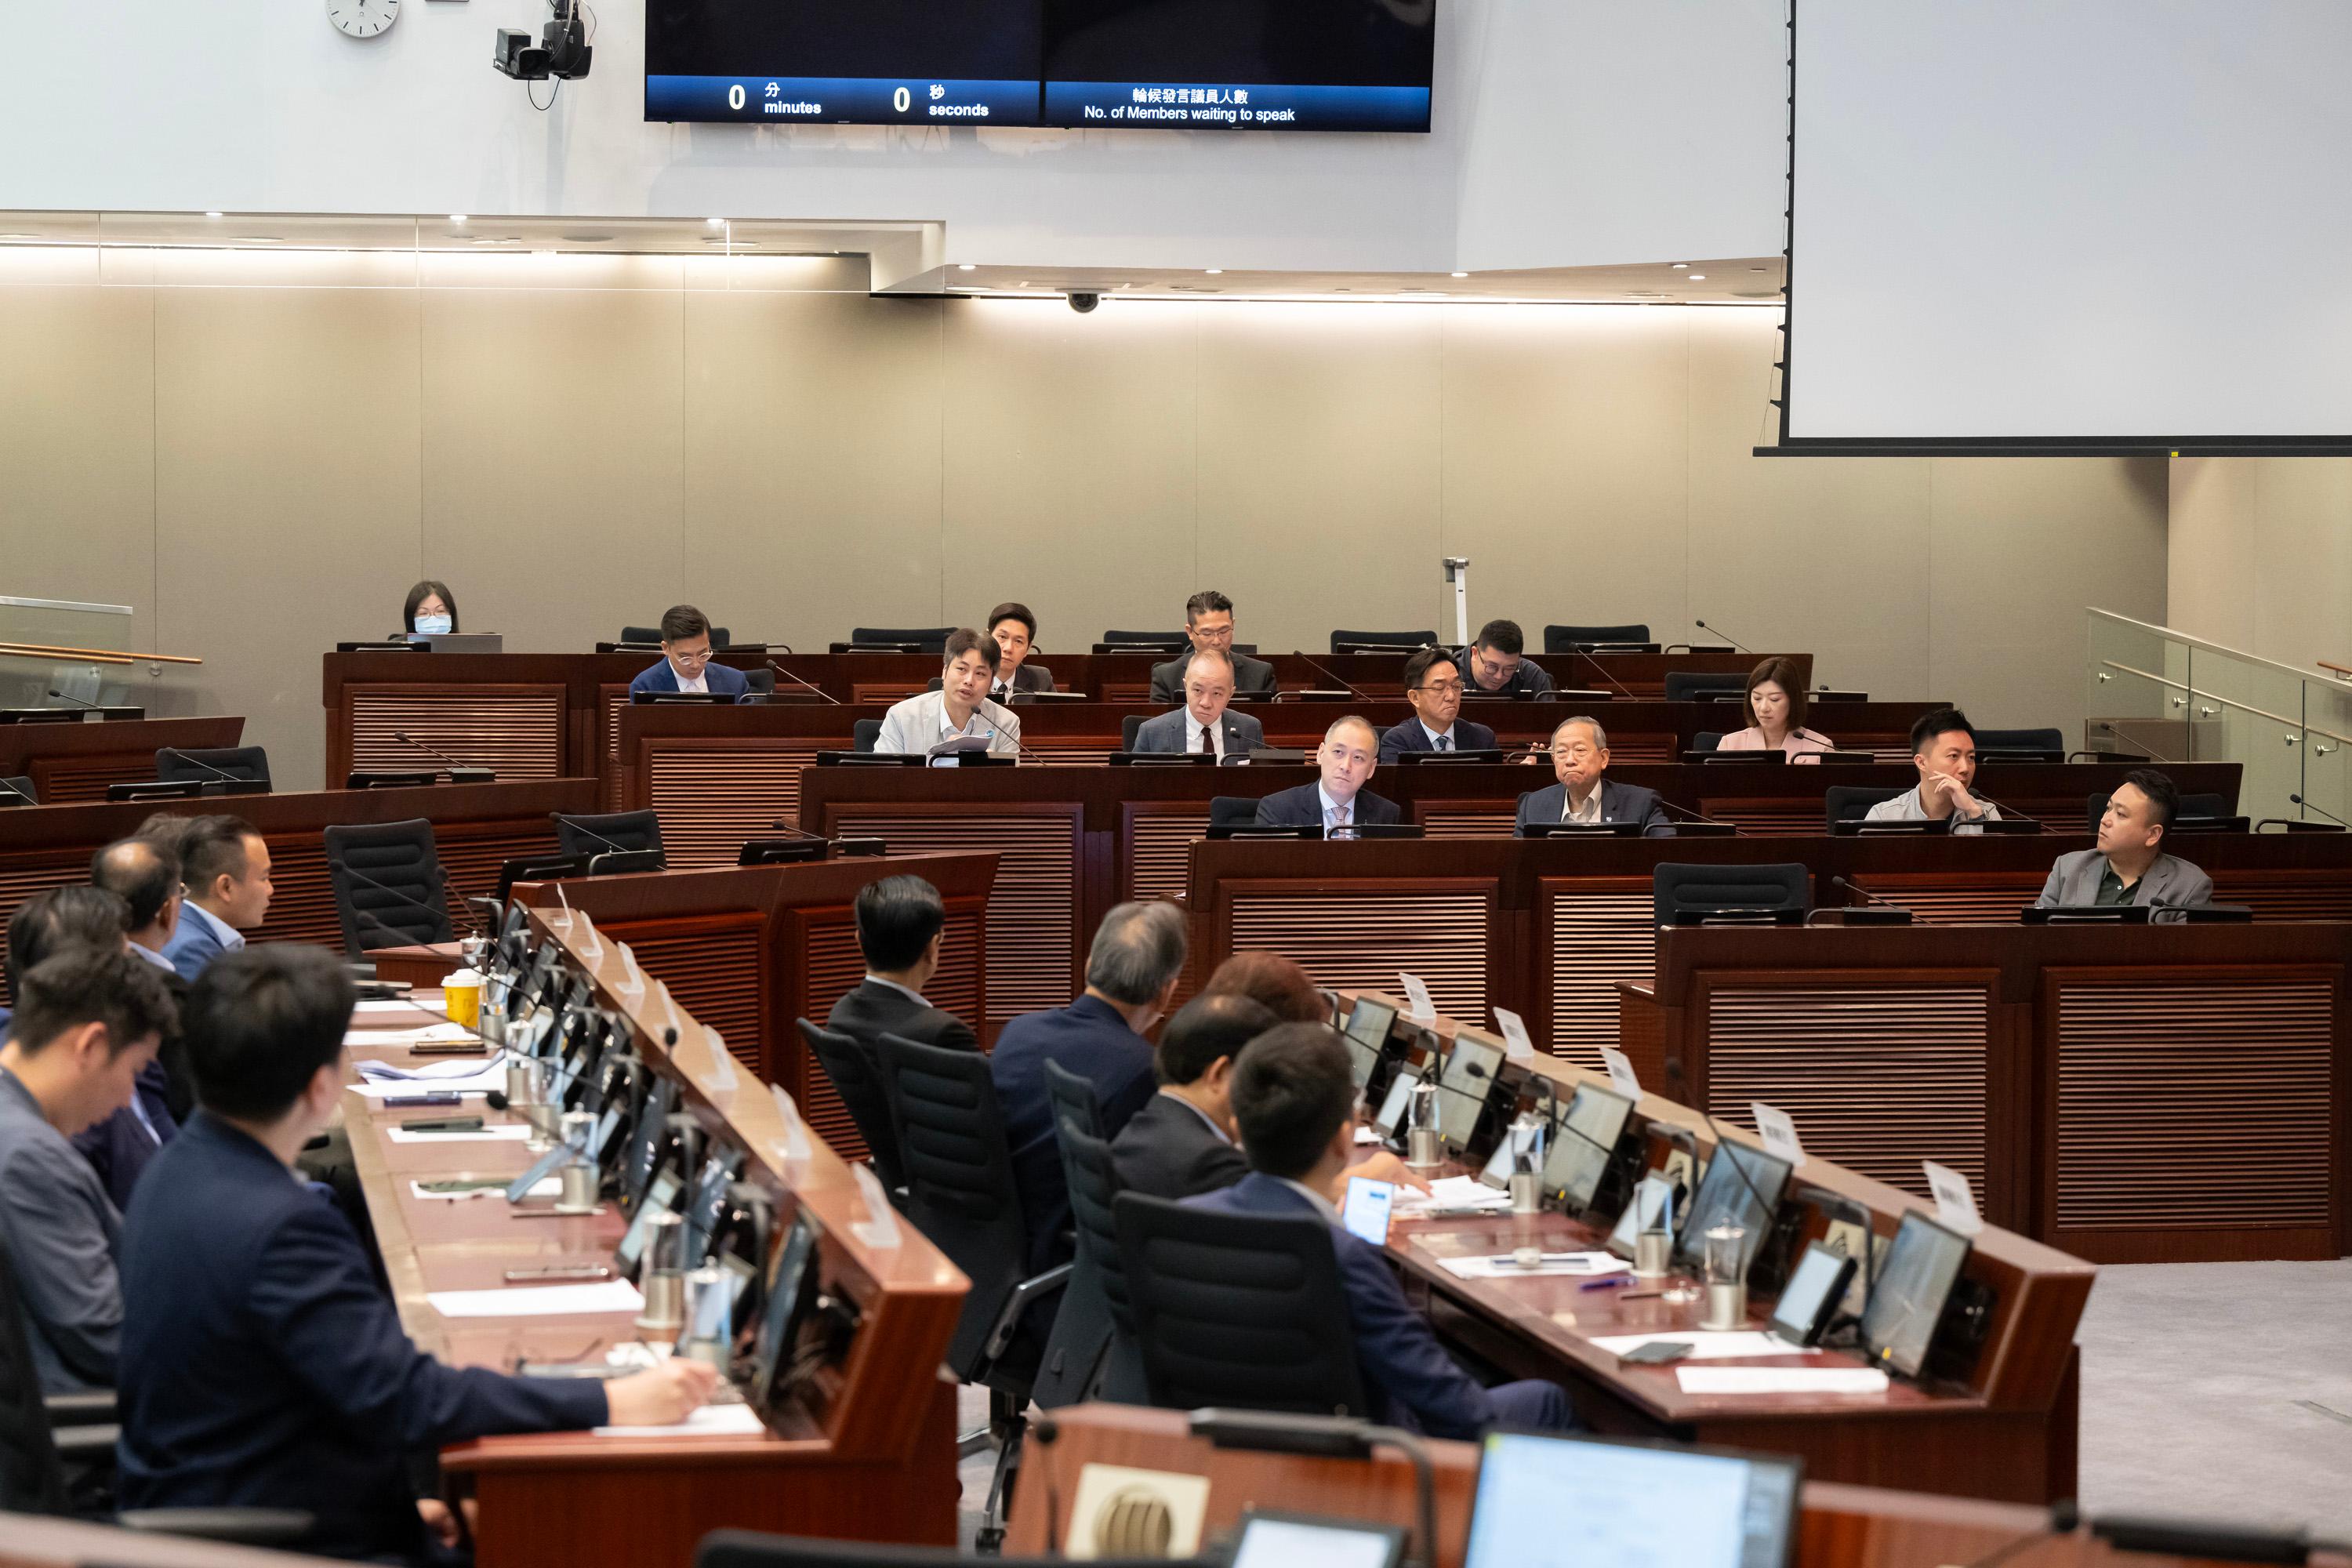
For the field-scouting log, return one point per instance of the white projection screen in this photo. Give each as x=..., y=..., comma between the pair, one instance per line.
x=2071, y=224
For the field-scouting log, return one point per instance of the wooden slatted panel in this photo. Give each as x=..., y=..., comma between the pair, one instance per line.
x=1033, y=909
x=1770, y=818
x=2315, y=900
x=1127, y=691
x=1994, y=900
x=1468, y=818
x=886, y=693
x=63, y=781
x=1876, y=1078
x=1057, y=751
x=1159, y=864
x=2188, y=1104
x=713, y=970
x=1361, y=940
x=712, y=798
x=1598, y=938
x=610, y=701
x=1639, y=748
x=515, y=730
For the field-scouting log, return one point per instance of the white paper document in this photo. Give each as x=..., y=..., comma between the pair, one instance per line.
x=710, y=1421
x=551, y=1187
x=538, y=1300
x=1779, y=1380
x=1450, y=1193
x=1582, y=1264
x=393, y=1091
x=505, y=1133
x=395, y=1006
x=1707, y=1344
x=466, y=1067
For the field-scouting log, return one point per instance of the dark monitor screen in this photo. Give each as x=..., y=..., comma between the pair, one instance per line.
x=1723, y=1195
x=1366, y=1034
x=659, y=1198
x=1574, y=1503
x=1908, y=1300
x=644, y=1145
x=708, y=1202
x=792, y=1291
x=1464, y=1082
x=1583, y=1143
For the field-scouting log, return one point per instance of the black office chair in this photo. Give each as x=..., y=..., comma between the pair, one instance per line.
x=1405, y=641
x=863, y=733
x=1082, y=1323
x=18, y=790
x=849, y=1063
x=2042, y=742
x=924, y=639
x=617, y=831
x=959, y=1194
x=1232, y=810
x=1073, y=1099
x=1128, y=725
x=1706, y=740
x=1676, y=887
x=1566, y=639
x=718, y=638
x=760, y=683
x=1852, y=803
x=2190, y=805
x=749, y=1549
x=404, y=901
x=174, y=765
x=1240, y=1310
x=1093, y=1353
x=1690, y=686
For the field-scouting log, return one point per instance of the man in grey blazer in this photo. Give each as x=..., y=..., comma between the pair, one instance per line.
x=1204, y=723
x=1580, y=760
x=2129, y=866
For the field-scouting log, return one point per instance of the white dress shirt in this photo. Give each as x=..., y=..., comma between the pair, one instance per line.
x=1589, y=811
x=1909, y=807
x=915, y=996
x=701, y=683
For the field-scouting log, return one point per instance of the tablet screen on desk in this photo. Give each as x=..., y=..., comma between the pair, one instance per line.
x=1584, y=1144
x=792, y=1291
x=1400, y=1095
x=1367, y=1211
x=1573, y=1502
x=657, y=1200
x=1907, y=1298
x=1466, y=1079
x=1294, y=1540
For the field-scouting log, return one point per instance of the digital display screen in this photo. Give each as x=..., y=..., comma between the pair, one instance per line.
x=658, y=1199
x=645, y=1147
x=1266, y=65
x=1369, y=1204
x=1568, y=1503
x=1393, y=1109
x=1584, y=1144
x=708, y=1201
x=1463, y=1084
x=1805, y=1300
x=1742, y=1186
x=1908, y=1300
x=792, y=1287
x=1276, y=1540
x=1366, y=1034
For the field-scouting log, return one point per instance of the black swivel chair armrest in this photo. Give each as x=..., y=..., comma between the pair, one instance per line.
x=78, y=1409
x=1019, y=1300
x=245, y=1526
x=86, y=1442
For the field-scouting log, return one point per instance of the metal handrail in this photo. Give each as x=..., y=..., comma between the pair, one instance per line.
x=2228, y=702
x=2171, y=636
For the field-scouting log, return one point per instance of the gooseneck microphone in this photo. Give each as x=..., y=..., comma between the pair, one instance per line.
x=1844, y=885
x=1580, y=652
x=1353, y=689
x=196, y=761
x=67, y=697
x=474, y=926
x=2323, y=811
x=460, y=773
x=1725, y=636
x=1683, y=811
x=796, y=680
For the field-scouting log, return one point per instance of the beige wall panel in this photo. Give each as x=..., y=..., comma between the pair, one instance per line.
x=1824, y=554
x=812, y=477
x=1566, y=467
x=286, y=492
x=1319, y=489
x=2021, y=546
x=2301, y=559
x=551, y=459
x=2211, y=540
x=1070, y=458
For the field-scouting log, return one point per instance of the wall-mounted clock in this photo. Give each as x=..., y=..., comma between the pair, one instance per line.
x=363, y=18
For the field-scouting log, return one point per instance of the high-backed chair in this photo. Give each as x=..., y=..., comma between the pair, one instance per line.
x=1241, y=1310
x=1566, y=639
x=718, y=638
x=1706, y=740
x=856, y=1078
x=2190, y=805
x=624, y=831
x=404, y=899
x=1073, y=1099
x=17, y=790
x=2039, y=742
x=863, y=733
x=1677, y=888
x=1852, y=803
x=760, y=683
x=1406, y=640
x=1232, y=810
x=1128, y=724
x=203, y=765
x=1147, y=640
x=1087, y=1319
x=924, y=639
x=1691, y=686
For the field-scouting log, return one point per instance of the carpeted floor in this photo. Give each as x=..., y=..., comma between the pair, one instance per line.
x=2221, y=1391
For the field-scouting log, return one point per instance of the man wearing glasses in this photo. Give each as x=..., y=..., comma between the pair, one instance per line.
x=1209, y=623
x=1497, y=662
x=1433, y=684
x=685, y=659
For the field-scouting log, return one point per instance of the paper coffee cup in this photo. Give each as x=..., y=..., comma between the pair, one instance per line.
x=461, y=997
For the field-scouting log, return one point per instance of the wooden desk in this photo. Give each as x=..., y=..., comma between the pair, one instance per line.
x=749, y=948
x=74, y=762
x=2133, y=1094
x=1841, y=1526
x=869, y=1453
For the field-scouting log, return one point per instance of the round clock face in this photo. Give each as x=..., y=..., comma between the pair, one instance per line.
x=363, y=18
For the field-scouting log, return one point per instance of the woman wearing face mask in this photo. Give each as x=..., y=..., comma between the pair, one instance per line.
x=431, y=609
x=1775, y=707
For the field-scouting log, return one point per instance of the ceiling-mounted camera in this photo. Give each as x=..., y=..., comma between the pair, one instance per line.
x=561, y=50
x=1083, y=303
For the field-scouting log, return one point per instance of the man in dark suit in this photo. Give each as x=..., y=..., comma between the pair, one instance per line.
x=685, y=660
x=261, y=1365
x=225, y=863
x=901, y=921
x=145, y=874
x=2129, y=865
x=1209, y=622
x=1580, y=760
x=1205, y=723
x=1433, y=684
x=1294, y=1104
x=1338, y=800
x=1015, y=631
x=1132, y=972
x=1181, y=1144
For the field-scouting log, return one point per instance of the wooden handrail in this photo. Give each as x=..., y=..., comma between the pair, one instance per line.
x=92, y=655
x=2340, y=672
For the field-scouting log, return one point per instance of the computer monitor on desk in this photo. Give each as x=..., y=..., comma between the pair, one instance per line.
x=1565, y=1502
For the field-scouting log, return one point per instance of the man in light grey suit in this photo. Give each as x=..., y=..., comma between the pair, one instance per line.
x=1204, y=723
x=2129, y=866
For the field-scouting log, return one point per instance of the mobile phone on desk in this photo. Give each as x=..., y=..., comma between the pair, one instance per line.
x=1367, y=1211
x=1658, y=1352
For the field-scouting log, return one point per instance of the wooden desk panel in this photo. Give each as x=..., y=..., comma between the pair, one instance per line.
x=71, y=763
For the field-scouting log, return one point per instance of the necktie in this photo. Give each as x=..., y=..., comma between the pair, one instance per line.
x=1444, y=742
x=1208, y=746
x=1339, y=819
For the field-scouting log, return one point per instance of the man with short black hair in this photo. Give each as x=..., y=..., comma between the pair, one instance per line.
x=1180, y=1143
x=146, y=875
x=262, y=1363
x=959, y=709
x=1132, y=972
x=1209, y=623
x=1294, y=1100
x=57, y=918
x=2129, y=865
x=87, y=1018
x=1495, y=662
x=1432, y=685
x=1944, y=750
x=1337, y=802
x=224, y=864
x=686, y=665
x=1015, y=631
x=901, y=921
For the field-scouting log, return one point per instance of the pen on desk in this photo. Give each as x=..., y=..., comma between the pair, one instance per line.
x=1613, y=1282
x=443, y=1124
x=1641, y=1295
x=423, y=1099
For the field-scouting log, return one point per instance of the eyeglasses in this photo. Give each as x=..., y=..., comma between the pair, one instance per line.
x=1442, y=687
x=682, y=656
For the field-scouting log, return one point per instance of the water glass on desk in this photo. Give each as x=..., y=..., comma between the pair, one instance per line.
x=1725, y=1260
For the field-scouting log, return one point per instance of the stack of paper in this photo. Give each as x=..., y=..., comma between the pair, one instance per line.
x=538, y=1301
x=1455, y=1194
x=478, y=1080
x=505, y=1132
x=1707, y=1344
x=393, y=1038
x=1503, y=1266
x=468, y=1067
x=1777, y=1379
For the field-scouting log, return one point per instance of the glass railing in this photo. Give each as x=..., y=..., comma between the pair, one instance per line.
x=2154, y=691
x=65, y=654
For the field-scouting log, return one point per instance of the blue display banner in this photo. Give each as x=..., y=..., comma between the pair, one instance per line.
x=855, y=100
x=1193, y=105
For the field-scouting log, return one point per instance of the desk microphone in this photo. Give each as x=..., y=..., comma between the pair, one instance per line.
x=64, y=697
x=797, y=681
x=1843, y=886
x=2323, y=811
x=199, y=762
x=475, y=926
x=1353, y=689
x=459, y=771
x=581, y=827
x=1599, y=669
x=1725, y=636
x=2107, y=729
x=19, y=794
x=1737, y=831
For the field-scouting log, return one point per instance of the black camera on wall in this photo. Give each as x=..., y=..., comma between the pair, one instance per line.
x=561, y=50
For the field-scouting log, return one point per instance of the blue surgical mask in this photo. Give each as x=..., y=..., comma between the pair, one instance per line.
x=432, y=626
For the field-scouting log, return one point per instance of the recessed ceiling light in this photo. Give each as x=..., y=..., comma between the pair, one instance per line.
x=960, y=266
x=718, y=223
x=1216, y=271
x=1697, y=278
x=587, y=238
x=1462, y=275
x=1680, y=266
x=212, y=215
x=507, y=239
x=456, y=217
x=256, y=239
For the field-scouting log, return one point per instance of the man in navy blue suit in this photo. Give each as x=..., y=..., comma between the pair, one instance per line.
x=224, y=864
x=1132, y=972
x=685, y=659
x=1295, y=1103
x=261, y=1365
x=1339, y=800
x=1433, y=684
x=1580, y=760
